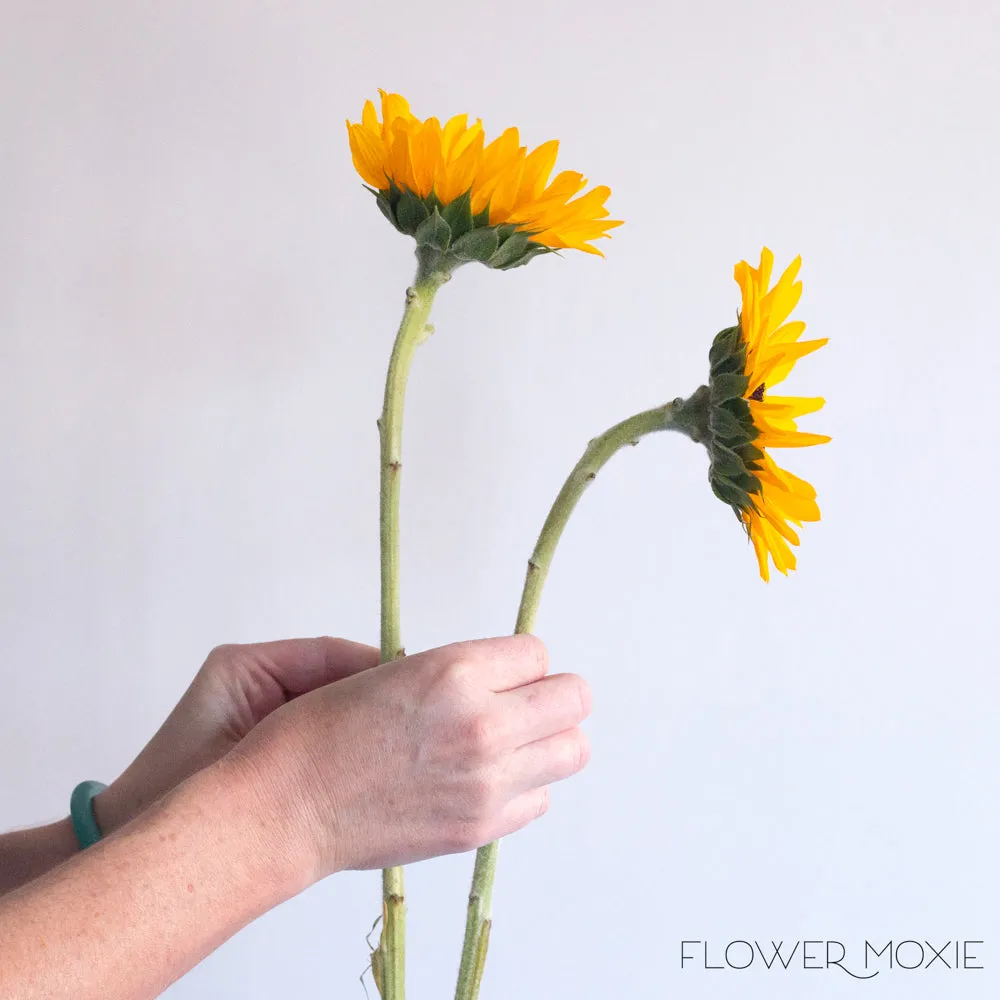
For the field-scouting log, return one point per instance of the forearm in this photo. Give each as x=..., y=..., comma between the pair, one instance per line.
x=127, y=917
x=26, y=854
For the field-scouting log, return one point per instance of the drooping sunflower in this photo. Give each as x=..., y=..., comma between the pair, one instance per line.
x=472, y=200
x=745, y=419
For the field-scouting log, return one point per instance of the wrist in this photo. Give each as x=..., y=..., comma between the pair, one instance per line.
x=286, y=788
x=265, y=820
x=112, y=809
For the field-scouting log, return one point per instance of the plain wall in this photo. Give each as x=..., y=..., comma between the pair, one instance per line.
x=197, y=301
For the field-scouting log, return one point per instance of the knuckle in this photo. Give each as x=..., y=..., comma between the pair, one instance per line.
x=533, y=647
x=221, y=653
x=521, y=648
x=466, y=835
x=441, y=680
x=220, y=660
x=542, y=803
x=454, y=670
x=483, y=793
x=454, y=837
x=580, y=752
x=582, y=694
x=481, y=735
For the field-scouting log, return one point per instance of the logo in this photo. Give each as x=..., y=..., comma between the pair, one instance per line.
x=865, y=960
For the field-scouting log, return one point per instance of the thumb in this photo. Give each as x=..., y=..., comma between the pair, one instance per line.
x=267, y=674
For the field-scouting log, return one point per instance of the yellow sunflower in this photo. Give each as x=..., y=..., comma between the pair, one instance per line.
x=475, y=200
x=745, y=419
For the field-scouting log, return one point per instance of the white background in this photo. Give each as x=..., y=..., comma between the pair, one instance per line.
x=197, y=300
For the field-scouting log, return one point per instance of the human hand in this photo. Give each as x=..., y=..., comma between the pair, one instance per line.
x=432, y=754
x=234, y=690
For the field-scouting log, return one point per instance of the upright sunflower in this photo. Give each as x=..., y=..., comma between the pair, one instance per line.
x=468, y=199
x=745, y=419
x=462, y=199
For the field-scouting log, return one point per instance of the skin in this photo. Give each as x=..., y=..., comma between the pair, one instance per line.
x=283, y=763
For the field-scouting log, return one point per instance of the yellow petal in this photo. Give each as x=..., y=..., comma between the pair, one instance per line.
x=499, y=154
x=425, y=152
x=792, y=439
x=456, y=178
x=790, y=407
x=766, y=266
x=369, y=119
x=780, y=303
x=473, y=135
x=537, y=167
x=400, y=167
x=394, y=107
x=505, y=191
x=453, y=130
x=788, y=333
x=368, y=156
x=772, y=366
x=777, y=522
x=794, y=506
x=781, y=554
x=759, y=546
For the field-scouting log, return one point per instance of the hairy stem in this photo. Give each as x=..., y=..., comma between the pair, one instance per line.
x=391, y=957
x=678, y=415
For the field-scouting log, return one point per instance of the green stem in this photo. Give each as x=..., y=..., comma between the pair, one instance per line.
x=390, y=960
x=678, y=415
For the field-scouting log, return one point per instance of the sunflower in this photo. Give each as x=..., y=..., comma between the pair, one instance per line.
x=745, y=420
x=469, y=199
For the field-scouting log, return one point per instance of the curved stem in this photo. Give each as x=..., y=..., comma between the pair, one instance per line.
x=676, y=416
x=390, y=959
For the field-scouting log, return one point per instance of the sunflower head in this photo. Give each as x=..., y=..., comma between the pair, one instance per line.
x=743, y=419
x=464, y=199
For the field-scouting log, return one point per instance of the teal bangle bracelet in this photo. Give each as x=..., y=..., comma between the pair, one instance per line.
x=81, y=811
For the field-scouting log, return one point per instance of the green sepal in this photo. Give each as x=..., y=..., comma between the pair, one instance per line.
x=730, y=429
x=730, y=494
x=739, y=408
x=479, y=244
x=534, y=250
x=386, y=209
x=745, y=481
x=458, y=215
x=725, y=461
x=751, y=453
x=728, y=386
x=382, y=199
x=410, y=212
x=737, y=490
x=725, y=343
x=450, y=235
x=733, y=365
x=433, y=232
x=737, y=438
x=511, y=250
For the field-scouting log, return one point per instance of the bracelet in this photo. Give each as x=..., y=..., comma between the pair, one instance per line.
x=81, y=811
